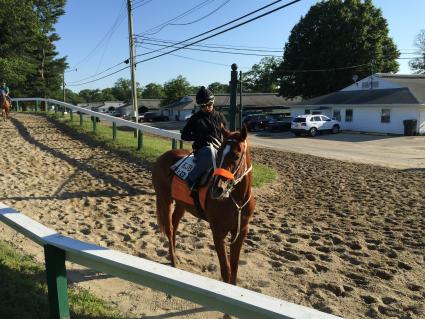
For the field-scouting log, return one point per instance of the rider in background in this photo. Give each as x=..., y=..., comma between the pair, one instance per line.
x=204, y=128
x=5, y=91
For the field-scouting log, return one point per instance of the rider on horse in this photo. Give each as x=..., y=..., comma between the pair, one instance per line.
x=204, y=128
x=4, y=90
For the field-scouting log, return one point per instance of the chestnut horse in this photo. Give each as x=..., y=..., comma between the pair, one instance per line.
x=5, y=108
x=229, y=204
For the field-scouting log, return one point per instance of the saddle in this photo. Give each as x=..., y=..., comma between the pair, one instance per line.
x=179, y=189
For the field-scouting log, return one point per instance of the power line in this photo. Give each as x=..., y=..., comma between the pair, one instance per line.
x=208, y=50
x=211, y=36
x=140, y=4
x=161, y=26
x=221, y=32
x=198, y=60
x=108, y=75
x=205, y=16
x=92, y=76
x=229, y=47
x=230, y=22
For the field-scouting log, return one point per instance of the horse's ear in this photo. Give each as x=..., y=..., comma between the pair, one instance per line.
x=244, y=133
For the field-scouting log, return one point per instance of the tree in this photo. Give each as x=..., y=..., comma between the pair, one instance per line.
x=18, y=37
x=122, y=89
x=48, y=78
x=107, y=95
x=418, y=64
x=153, y=91
x=218, y=87
x=342, y=37
x=175, y=89
x=263, y=77
x=91, y=95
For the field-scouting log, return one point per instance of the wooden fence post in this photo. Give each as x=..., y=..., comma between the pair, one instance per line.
x=56, y=282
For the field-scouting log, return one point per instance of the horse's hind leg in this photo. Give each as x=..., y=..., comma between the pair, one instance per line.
x=177, y=215
x=235, y=250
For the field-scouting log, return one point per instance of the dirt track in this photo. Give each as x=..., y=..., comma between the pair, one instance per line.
x=340, y=237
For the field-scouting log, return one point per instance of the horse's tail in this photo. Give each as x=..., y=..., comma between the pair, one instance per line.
x=160, y=215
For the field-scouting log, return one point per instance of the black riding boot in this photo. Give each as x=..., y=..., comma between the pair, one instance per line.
x=194, y=193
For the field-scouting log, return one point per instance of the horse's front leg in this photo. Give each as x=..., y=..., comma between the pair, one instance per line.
x=235, y=250
x=220, y=248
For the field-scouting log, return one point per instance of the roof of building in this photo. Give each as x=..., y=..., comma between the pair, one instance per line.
x=411, y=91
x=261, y=100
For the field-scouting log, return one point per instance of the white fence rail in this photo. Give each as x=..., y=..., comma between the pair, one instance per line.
x=103, y=116
x=211, y=293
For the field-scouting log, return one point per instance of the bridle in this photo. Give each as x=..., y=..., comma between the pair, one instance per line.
x=233, y=178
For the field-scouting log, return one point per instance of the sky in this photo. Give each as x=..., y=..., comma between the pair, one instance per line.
x=94, y=37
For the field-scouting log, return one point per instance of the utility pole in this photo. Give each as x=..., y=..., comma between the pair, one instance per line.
x=233, y=92
x=132, y=65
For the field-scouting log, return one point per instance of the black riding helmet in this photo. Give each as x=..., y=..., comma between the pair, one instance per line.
x=204, y=96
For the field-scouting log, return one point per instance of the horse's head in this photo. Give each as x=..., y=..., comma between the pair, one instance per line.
x=232, y=163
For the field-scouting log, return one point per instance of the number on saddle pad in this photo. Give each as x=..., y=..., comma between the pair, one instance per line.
x=184, y=166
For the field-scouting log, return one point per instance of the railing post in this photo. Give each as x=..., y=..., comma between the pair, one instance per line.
x=56, y=108
x=56, y=282
x=174, y=144
x=93, y=120
x=63, y=111
x=140, y=140
x=181, y=144
x=71, y=114
x=17, y=106
x=114, y=131
x=81, y=119
x=36, y=106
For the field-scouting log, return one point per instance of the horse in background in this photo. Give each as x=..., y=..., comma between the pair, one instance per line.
x=228, y=205
x=5, y=108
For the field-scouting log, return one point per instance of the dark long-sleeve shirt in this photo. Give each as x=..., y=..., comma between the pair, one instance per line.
x=201, y=127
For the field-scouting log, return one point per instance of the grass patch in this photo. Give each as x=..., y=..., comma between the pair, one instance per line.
x=23, y=291
x=153, y=146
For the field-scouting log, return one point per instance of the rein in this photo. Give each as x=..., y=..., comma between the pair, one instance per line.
x=234, y=181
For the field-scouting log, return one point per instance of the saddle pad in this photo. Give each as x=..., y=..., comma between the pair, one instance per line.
x=181, y=192
x=184, y=166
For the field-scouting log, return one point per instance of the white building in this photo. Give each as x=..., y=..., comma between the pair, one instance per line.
x=378, y=103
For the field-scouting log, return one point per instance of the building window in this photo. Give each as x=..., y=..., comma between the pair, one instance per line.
x=385, y=115
x=337, y=115
x=349, y=115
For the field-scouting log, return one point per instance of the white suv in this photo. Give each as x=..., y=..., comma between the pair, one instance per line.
x=312, y=124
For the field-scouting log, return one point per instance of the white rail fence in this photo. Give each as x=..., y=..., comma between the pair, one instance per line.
x=213, y=294
x=118, y=121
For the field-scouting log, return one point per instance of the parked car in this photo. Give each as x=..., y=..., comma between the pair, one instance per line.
x=279, y=124
x=155, y=117
x=313, y=124
x=256, y=122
